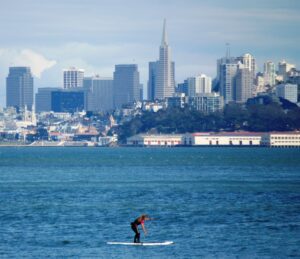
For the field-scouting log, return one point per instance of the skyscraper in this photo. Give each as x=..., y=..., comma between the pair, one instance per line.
x=244, y=84
x=152, y=80
x=73, y=78
x=198, y=85
x=161, y=82
x=100, y=93
x=236, y=77
x=43, y=99
x=126, y=85
x=19, y=87
x=269, y=73
x=228, y=73
x=249, y=62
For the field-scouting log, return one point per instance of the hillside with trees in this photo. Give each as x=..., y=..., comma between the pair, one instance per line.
x=234, y=117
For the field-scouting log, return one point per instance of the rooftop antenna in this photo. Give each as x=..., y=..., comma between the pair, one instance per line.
x=227, y=51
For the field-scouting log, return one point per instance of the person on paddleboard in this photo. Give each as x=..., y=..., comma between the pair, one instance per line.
x=134, y=226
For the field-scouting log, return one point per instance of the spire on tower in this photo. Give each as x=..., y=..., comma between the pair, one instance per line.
x=227, y=51
x=164, y=40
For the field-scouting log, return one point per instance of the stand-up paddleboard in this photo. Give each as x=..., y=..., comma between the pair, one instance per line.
x=165, y=243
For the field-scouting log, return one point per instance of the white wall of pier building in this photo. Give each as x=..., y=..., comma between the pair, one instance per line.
x=222, y=139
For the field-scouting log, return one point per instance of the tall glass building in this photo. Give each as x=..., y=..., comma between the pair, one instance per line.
x=19, y=88
x=126, y=85
x=67, y=101
x=100, y=93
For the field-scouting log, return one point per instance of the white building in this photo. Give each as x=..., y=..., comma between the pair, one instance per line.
x=73, y=77
x=288, y=91
x=160, y=140
x=222, y=139
x=284, y=68
x=199, y=85
x=249, y=62
x=206, y=103
x=259, y=84
x=281, y=139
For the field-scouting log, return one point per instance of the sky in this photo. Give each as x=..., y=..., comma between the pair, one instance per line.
x=95, y=35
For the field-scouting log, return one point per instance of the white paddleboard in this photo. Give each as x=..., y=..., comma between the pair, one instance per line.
x=165, y=243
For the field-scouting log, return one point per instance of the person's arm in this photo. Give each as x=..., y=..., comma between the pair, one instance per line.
x=144, y=229
x=149, y=218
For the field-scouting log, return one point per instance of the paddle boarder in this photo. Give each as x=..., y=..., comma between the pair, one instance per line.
x=134, y=226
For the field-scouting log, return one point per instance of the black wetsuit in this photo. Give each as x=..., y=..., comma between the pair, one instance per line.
x=134, y=227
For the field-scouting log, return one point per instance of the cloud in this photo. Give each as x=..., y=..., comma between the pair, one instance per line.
x=36, y=61
x=24, y=57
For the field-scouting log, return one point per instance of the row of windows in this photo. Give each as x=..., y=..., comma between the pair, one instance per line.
x=286, y=141
x=228, y=143
x=289, y=137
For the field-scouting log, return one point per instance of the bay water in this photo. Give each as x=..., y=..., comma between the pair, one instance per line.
x=211, y=202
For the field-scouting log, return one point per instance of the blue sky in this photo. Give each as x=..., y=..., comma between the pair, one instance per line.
x=97, y=34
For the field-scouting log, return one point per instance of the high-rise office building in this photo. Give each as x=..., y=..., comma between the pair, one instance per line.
x=152, y=80
x=183, y=88
x=198, y=85
x=288, y=92
x=68, y=101
x=228, y=73
x=126, y=85
x=269, y=73
x=249, y=62
x=100, y=93
x=243, y=84
x=284, y=68
x=73, y=78
x=221, y=62
x=61, y=100
x=43, y=99
x=161, y=82
x=236, y=77
x=19, y=87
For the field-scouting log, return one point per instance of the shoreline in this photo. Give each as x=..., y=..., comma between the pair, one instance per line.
x=84, y=145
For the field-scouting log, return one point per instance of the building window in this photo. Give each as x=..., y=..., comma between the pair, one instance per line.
x=230, y=142
x=241, y=143
x=250, y=143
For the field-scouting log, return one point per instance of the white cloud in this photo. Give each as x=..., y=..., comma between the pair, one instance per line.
x=36, y=61
x=25, y=57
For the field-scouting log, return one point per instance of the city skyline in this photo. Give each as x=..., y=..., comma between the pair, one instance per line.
x=58, y=35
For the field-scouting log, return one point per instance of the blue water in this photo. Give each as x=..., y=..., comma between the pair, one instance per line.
x=212, y=202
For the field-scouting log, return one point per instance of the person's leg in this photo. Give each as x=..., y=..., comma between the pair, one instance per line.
x=138, y=237
x=137, y=234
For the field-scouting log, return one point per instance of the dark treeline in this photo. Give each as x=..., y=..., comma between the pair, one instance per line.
x=234, y=117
